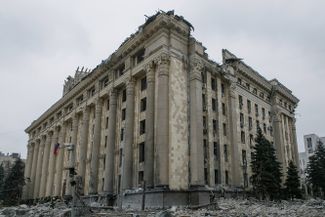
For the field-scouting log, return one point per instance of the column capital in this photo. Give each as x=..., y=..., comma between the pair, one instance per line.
x=130, y=86
x=196, y=64
x=150, y=72
x=197, y=67
x=162, y=59
x=112, y=97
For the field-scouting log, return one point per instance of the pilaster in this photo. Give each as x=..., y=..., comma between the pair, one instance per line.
x=110, y=150
x=52, y=162
x=45, y=163
x=149, y=140
x=162, y=109
x=83, y=145
x=39, y=167
x=93, y=181
x=59, y=160
x=127, y=173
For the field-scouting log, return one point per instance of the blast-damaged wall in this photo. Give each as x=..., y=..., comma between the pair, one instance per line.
x=178, y=126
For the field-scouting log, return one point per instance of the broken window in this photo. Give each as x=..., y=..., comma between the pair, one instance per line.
x=143, y=104
x=223, y=109
x=251, y=139
x=216, y=177
x=91, y=91
x=226, y=177
x=141, y=152
x=106, y=123
x=240, y=100
x=214, y=123
x=142, y=127
x=205, y=149
x=250, y=123
x=241, y=120
x=105, y=141
x=244, y=158
x=104, y=82
x=214, y=104
x=140, y=178
x=139, y=56
x=242, y=137
x=225, y=152
x=80, y=99
x=263, y=113
x=120, y=70
x=122, y=134
x=143, y=83
x=123, y=114
x=222, y=90
x=249, y=106
x=215, y=149
x=213, y=84
x=256, y=110
x=124, y=95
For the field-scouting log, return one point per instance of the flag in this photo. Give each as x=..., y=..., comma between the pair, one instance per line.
x=56, y=149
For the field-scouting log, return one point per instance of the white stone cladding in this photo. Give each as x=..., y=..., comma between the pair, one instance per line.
x=193, y=124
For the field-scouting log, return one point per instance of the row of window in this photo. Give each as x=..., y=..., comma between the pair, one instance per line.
x=254, y=90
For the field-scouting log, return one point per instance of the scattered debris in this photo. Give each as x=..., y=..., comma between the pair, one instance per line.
x=225, y=208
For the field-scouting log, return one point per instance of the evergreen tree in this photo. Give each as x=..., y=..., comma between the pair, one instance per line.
x=316, y=170
x=2, y=178
x=13, y=185
x=266, y=177
x=292, y=183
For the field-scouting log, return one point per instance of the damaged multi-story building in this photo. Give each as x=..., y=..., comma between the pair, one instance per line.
x=159, y=121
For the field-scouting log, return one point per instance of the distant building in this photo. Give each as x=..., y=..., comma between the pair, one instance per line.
x=159, y=111
x=8, y=160
x=310, y=141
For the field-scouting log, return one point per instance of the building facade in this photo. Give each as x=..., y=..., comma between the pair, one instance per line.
x=311, y=141
x=159, y=113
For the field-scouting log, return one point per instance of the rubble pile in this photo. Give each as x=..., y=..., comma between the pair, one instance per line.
x=39, y=210
x=222, y=208
x=253, y=208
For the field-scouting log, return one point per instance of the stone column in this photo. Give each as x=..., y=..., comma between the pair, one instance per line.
x=127, y=174
x=196, y=124
x=84, y=145
x=33, y=169
x=278, y=137
x=45, y=164
x=51, y=168
x=162, y=109
x=109, y=164
x=234, y=143
x=59, y=160
x=72, y=154
x=150, y=118
x=294, y=141
x=28, y=167
x=93, y=181
x=39, y=168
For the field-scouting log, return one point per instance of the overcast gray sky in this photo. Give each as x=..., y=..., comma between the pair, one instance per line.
x=42, y=42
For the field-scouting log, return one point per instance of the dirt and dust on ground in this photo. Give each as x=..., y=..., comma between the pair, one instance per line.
x=222, y=208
